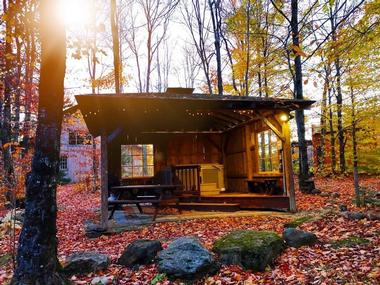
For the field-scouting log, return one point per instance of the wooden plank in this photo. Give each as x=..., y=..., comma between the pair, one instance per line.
x=247, y=133
x=250, y=201
x=236, y=165
x=104, y=181
x=271, y=126
x=288, y=167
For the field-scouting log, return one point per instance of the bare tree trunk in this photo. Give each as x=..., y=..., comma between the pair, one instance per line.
x=6, y=133
x=332, y=137
x=37, y=261
x=259, y=81
x=91, y=55
x=198, y=28
x=248, y=42
x=149, y=61
x=229, y=55
x=339, y=102
x=16, y=129
x=215, y=6
x=115, y=46
x=29, y=74
x=339, y=97
x=305, y=183
x=326, y=92
x=354, y=146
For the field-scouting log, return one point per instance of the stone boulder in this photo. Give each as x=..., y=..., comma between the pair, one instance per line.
x=85, y=262
x=93, y=230
x=253, y=250
x=354, y=215
x=101, y=280
x=186, y=259
x=372, y=215
x=140, y=252
x=297, y=238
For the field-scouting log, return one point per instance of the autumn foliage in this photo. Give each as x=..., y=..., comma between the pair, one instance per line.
x=333, y=260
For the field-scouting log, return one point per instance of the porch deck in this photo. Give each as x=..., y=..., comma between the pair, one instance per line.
x=240, y=200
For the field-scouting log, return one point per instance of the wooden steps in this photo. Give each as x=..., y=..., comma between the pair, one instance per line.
x=202, y=206
x=247, y=201
x=236, y=200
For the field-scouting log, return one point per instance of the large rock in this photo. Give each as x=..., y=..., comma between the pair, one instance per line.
x=86, y=262
x=185, y=258
x=297, y=238
x=140, y=252
x=250, y=249
x=354, y=215
x=372, y=215
x=93, y=230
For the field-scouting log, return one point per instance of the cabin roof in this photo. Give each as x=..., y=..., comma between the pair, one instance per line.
x=175, y=112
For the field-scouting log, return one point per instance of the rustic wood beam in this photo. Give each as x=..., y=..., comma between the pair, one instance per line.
x=270, y=125
x=242, y=123
x=234, y=115
x=222, y=123
x=183, y=132
x=227, y=118
x=104, y=181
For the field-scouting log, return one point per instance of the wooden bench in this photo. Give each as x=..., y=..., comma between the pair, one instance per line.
x=265, y=185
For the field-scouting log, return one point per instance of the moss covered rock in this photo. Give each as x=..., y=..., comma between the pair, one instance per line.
x=250, y=249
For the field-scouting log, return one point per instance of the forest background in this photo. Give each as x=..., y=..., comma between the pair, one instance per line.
x=320, y=50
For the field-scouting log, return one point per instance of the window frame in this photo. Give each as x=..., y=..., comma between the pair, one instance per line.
x=133, y=166
x=78, y=139
x=271, y=154
x=63, y=160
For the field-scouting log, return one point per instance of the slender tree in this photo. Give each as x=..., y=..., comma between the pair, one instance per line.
x=116, y=46
x=37, y=261
x=305, y=183
x=215, y=9
x=6, y=129
x=198, y=25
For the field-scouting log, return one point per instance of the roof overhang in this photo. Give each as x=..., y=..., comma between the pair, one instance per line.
x=173, y=113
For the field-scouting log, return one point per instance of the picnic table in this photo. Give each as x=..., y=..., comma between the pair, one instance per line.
x=154, y=194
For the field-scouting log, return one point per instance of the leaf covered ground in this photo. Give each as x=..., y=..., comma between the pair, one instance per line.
x=349, y=252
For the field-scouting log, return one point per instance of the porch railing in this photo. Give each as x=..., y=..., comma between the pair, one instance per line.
x=189, y=176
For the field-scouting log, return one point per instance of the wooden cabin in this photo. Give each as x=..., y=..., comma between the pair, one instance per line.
x=222, y=149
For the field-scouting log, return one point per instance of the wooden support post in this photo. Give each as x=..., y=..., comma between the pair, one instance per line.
x=104, y=181
x=288, y=166
x=247, y=138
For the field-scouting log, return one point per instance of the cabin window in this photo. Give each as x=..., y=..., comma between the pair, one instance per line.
x=137, y=161
x=76, y=138
x=63, y=163
x=269, y=148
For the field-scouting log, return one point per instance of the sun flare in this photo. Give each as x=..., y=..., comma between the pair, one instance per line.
x=75, y=13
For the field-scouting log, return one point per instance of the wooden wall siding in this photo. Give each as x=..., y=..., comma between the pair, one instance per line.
x=236, y=160
x=194, y=149
x=236, y=165
x=237, y=185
